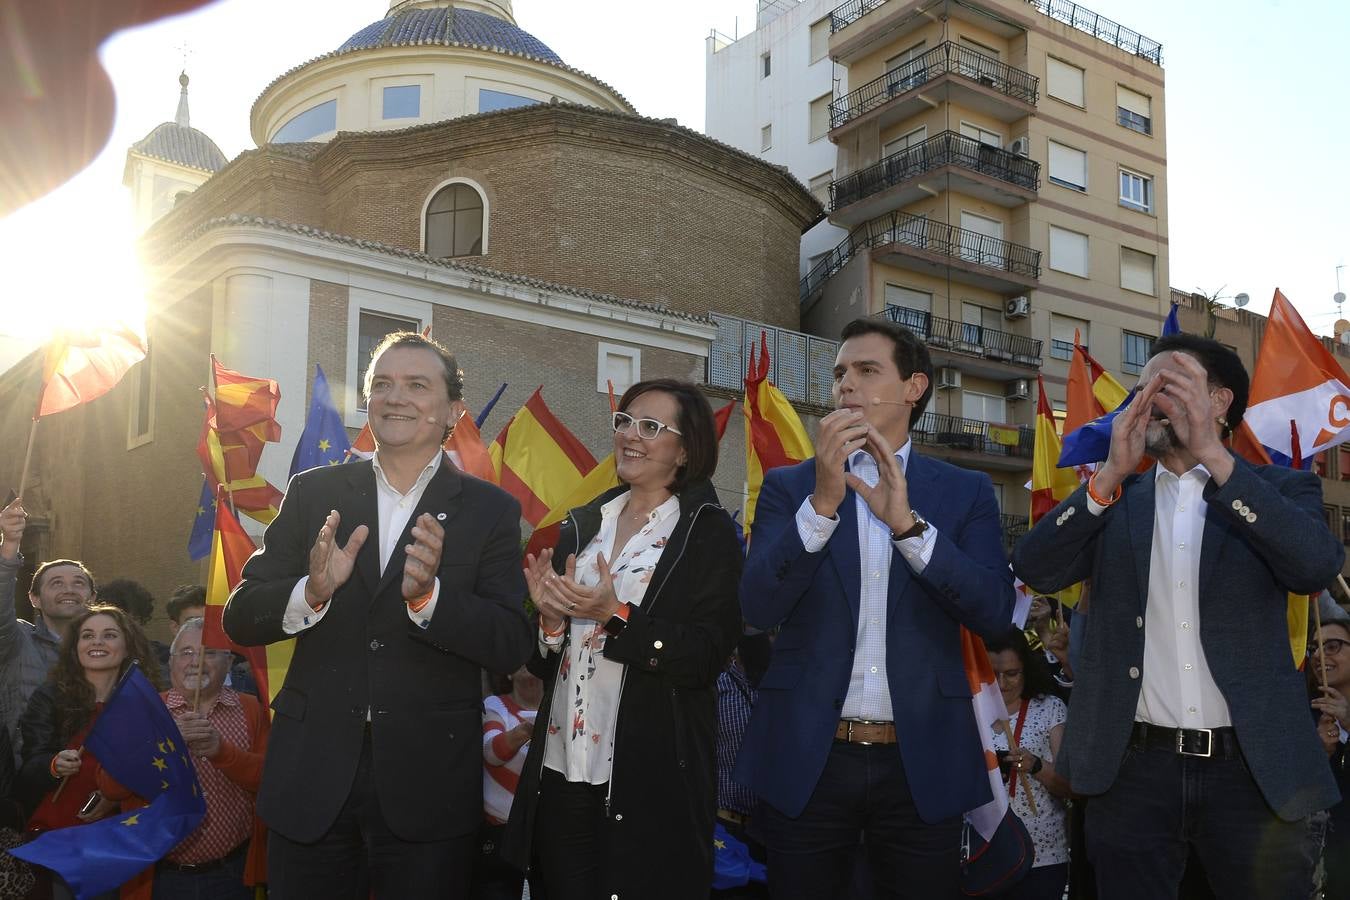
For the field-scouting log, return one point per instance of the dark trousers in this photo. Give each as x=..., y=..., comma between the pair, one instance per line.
x=361, y=841
x=215, y=882
x=493, y=877
x=862, y=801
x=1162, y=806
x=1041, y=883
x=569, y=837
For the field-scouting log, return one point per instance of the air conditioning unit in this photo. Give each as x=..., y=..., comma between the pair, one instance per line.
x=1021, y=146
x=948, y=378
x=1017, y=389
x=1017, y=308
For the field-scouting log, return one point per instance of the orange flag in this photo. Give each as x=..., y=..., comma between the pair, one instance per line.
x=81, y=365
x=467, y=449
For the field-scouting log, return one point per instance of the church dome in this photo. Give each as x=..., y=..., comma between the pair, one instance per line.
x=178, y=142
x=449, y=27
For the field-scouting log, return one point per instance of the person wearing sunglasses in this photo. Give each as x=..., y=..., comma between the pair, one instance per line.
x=638, y=614
x=1330, y=648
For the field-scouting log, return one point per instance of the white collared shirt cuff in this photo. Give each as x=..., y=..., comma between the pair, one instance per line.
x=423, y=618
x=548, y=643
x=299, y=615
x=814, y=529
x=917, y=551
x=1094, y=507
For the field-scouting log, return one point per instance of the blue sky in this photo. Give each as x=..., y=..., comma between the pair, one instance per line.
x=1258, y=115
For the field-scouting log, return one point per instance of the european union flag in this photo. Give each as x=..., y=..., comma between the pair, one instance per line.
x=1171, y=325
x=324, y=441
x=136, y=739
x=203, y=524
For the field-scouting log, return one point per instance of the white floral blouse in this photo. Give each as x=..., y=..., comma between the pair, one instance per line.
x=586, y=697
x=1049, y=828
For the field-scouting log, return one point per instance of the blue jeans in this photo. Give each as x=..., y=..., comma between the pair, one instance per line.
x=861, y=808
x=225, y=882
x=1162, y=805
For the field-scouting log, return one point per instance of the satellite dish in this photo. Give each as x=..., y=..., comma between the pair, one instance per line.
x=1242, y=300
x=1339, y=297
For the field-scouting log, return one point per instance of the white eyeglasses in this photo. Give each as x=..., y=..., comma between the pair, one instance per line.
x=647, y=429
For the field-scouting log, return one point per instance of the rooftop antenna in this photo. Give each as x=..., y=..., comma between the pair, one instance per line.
x=1339, y=296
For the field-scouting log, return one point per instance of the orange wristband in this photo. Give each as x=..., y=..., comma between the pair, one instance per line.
x=552, y=634
x=1115, y=495
x=417, y=604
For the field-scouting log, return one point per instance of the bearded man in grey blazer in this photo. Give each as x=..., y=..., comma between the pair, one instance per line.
x=1189, y=726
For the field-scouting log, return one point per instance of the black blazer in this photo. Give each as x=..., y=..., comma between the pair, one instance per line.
x=422, y=687
x=663, y=785
x=1264, y=537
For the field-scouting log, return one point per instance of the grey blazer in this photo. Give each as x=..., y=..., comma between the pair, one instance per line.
x=1264, y=537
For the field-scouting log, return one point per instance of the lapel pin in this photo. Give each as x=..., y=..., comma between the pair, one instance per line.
x=440, y=517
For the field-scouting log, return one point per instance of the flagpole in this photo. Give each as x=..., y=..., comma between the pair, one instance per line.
x=28, y=456
x=135, y=664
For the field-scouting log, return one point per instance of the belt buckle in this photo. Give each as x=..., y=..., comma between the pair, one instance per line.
x=851, y=723
x=1209, y=742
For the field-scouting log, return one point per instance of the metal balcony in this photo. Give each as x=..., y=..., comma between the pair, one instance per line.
x=984, y=84
x=1002, y=446
x=967, y=340
x=1013, y=528
x=915, y=242
x=948, y=161
x=801, y=365
x=1089, y=22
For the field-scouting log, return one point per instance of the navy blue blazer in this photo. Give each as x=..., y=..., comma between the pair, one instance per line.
x=1264, y=537
x=814, y=597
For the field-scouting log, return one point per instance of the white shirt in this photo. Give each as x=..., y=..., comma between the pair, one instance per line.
x=580, y=743
x=869, y=693
x=1177, y=689
x=394, y=510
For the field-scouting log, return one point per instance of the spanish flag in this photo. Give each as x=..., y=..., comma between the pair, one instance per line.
x=230, y=460
x=537, y=460
x=1049, y=483
x=230, y=549
x=774, y=435
x=82, y=365
x=1092, y=391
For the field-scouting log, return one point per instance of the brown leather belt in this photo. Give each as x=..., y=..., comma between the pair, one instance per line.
x=856, y=731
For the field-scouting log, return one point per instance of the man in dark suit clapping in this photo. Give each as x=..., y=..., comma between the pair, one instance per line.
x=400, y=577
x=1188, y=727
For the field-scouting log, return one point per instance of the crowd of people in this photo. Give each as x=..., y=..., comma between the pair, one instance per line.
x=649, y=710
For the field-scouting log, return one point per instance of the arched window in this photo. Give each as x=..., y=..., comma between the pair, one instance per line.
x=455, y=222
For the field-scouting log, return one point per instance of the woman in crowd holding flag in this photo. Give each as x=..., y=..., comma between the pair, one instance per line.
x=638, y=614
x=57, y=773
x=1036, y=720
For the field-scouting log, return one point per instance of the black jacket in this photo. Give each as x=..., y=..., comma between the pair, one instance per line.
x=39, y=743
x=663, y=786
x=420, y=687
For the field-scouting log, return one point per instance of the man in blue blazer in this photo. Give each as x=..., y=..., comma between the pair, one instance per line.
x=1189, y=726
x=868, y=559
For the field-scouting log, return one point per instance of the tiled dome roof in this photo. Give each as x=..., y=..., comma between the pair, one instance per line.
x=183, y=145
x=447, y=25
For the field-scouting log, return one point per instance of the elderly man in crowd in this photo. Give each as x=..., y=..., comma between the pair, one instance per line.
x=61, y=589
x=226, y=734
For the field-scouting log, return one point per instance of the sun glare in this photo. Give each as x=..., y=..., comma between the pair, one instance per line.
x=72, y=264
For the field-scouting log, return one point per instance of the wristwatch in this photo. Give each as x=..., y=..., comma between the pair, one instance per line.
x=617, y=622
x=1036, y=767
x=917, y=529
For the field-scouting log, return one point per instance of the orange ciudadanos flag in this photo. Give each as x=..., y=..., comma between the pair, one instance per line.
x=774, y=435
x=538, y=460
x=83, y=364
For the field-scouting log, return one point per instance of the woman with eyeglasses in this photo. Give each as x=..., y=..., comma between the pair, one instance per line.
x=638, y=614
x=1331, y=649
x=1036, y=719
x=96, y=652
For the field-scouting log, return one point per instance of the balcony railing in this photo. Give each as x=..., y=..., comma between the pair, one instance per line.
x=942, y=59
x=1083, y=19
x=1013, y=527
x=801, y=365
x=848, y=13
x=953, y=432
x=921, y=234
x=945, y=149
x=967, y=338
